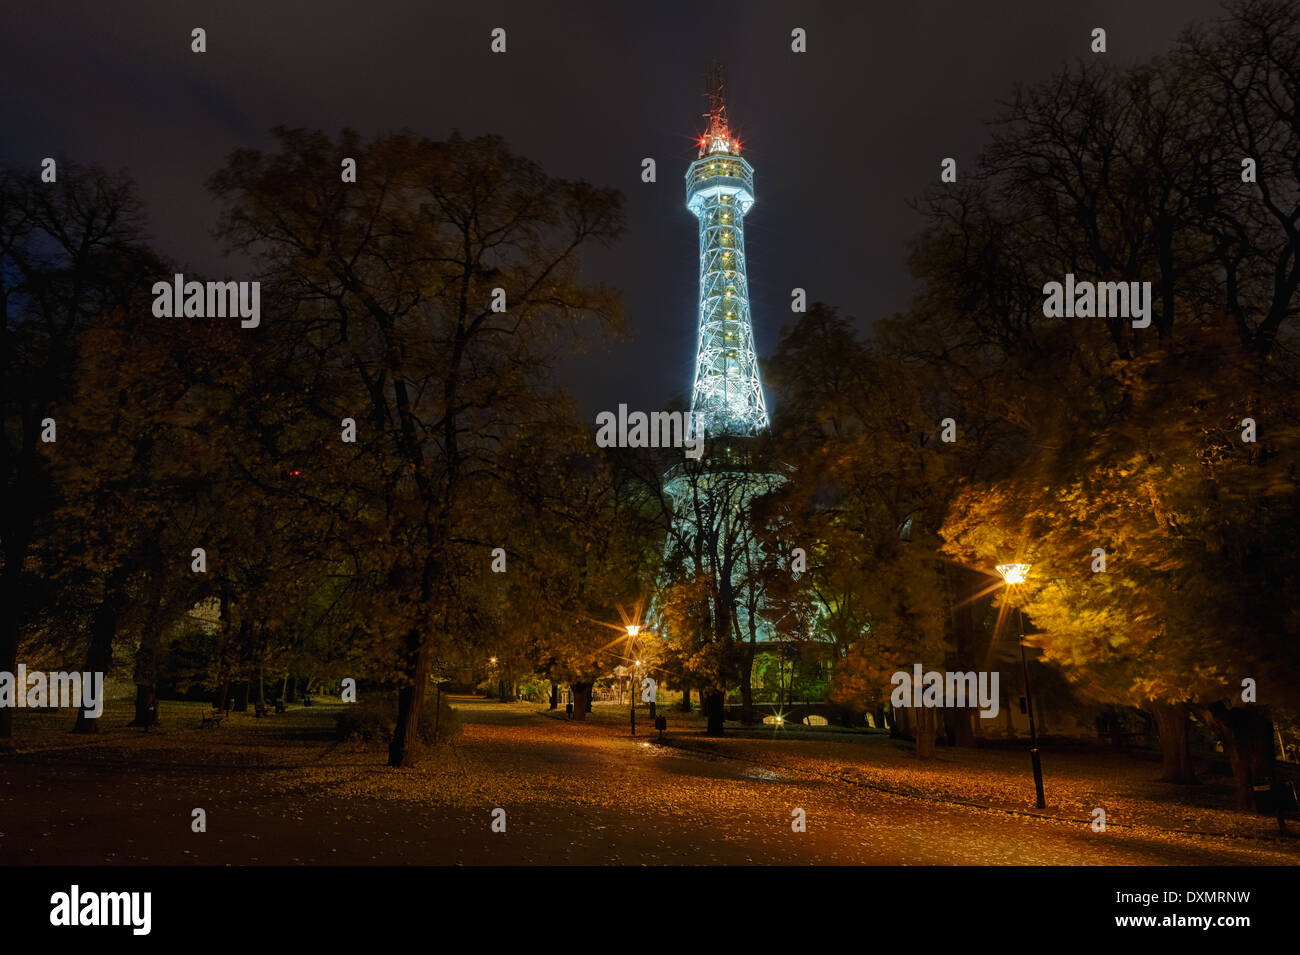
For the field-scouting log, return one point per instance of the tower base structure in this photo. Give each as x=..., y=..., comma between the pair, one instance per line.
x=712, y=499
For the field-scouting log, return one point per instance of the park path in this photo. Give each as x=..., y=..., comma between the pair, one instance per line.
x=572, y=794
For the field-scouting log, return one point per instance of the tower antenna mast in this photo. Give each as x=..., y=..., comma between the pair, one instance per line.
x=718, y=137
x=717, y=114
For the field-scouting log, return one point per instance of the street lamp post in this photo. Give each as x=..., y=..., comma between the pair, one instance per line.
x=1015, y=574
x=632, y=630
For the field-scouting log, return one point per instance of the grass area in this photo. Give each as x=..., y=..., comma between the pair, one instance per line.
x=242, y=738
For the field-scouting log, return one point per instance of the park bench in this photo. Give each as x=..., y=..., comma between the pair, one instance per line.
x=212, y=719
x=259, y=709
x=280, y=707
x=306, y=700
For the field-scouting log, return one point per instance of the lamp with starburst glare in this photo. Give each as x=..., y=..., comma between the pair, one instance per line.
x=1015, y=574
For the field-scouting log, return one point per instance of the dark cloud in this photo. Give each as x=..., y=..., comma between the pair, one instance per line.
x=839, y=137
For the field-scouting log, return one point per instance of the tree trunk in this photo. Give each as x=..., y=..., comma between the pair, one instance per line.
x=1172, y=724
x=403, y=751
x=103, y=627
x=713, y=710
x=555, y=696
x=16, y=532
x=1111, y=722
x=145, y=697
x=967, y=648
x=901, y=727
x=926, y=728
x=146, y=657
x=958, y=725
x=1247, y=734
x=685, y=705
x=581, y=697
x=747, y=673
x=8, y=644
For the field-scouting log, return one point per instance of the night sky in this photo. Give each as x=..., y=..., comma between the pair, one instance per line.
x=839, y=137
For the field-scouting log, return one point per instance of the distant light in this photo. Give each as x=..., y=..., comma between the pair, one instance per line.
x=633, y=629
x=1014, y=573
x=492, y=660
x=638, y=662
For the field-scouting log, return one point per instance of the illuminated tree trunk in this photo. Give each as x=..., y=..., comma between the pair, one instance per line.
x=581, y=698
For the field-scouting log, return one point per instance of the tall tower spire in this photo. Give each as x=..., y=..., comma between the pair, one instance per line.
x=727, y=397
x=718, y=136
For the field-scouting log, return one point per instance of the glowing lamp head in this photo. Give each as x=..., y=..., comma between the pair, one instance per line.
x=638, y=662
x=492, y=660
x=1014, y=573
x=633, y=629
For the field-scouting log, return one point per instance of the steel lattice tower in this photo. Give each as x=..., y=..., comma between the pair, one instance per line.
x=711, y=497
x=727, y=398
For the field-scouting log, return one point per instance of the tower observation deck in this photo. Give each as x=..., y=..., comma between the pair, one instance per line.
x=727, y=397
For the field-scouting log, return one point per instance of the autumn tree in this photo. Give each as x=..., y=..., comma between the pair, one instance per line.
x=70, y=250
x=423, y=296
x=1127, y=441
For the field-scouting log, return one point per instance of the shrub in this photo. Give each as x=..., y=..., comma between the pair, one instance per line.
x=375, y=720
x=370, y=720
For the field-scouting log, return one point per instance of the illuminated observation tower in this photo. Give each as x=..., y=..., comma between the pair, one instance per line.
x=711, y=497
x=727, y=398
